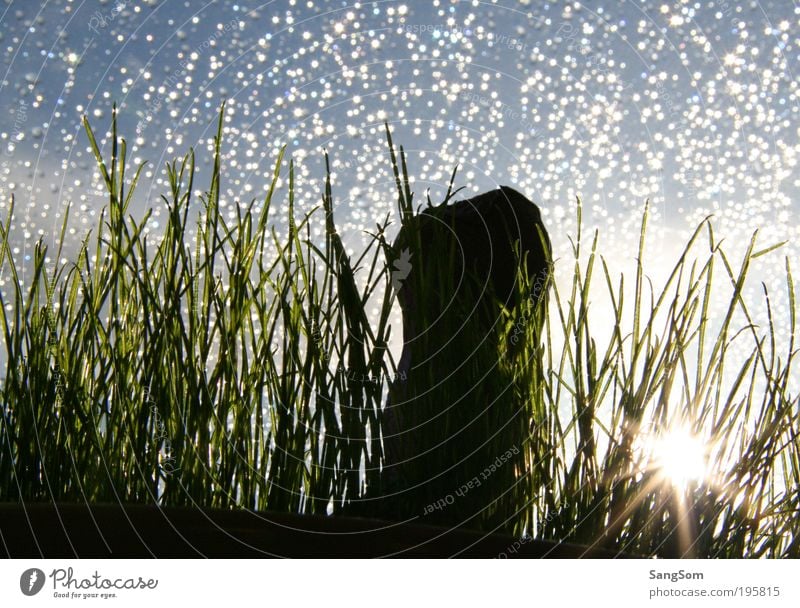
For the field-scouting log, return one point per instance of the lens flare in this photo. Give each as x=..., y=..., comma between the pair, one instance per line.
x=678, y=454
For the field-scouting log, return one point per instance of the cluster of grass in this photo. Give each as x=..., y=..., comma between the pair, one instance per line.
x=220, y=364
x=240, y=370
x=672, y=372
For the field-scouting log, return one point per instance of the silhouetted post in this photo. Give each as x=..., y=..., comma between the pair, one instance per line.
x=455, y=425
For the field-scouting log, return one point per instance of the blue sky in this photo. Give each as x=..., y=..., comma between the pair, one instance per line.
x=693, y=106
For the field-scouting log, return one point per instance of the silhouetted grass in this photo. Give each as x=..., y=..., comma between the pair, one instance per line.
x=220, y=364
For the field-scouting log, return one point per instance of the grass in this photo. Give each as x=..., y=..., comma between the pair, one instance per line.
x=220, y=364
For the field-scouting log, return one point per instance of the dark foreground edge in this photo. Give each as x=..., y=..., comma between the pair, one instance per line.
x=141, y=531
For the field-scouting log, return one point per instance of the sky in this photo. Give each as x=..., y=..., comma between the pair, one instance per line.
x=690, y=105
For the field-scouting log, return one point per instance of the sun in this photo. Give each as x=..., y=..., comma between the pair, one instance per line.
x=678, y=454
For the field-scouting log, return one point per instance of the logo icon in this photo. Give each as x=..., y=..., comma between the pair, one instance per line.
x=402, y=268
x=31, y=581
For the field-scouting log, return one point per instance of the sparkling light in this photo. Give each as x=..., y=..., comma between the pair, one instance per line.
x=679, y=455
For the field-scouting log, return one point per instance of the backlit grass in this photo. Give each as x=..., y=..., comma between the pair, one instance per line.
x=220, y=364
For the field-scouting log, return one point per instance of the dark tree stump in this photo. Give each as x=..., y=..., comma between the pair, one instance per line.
x=454, y=410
